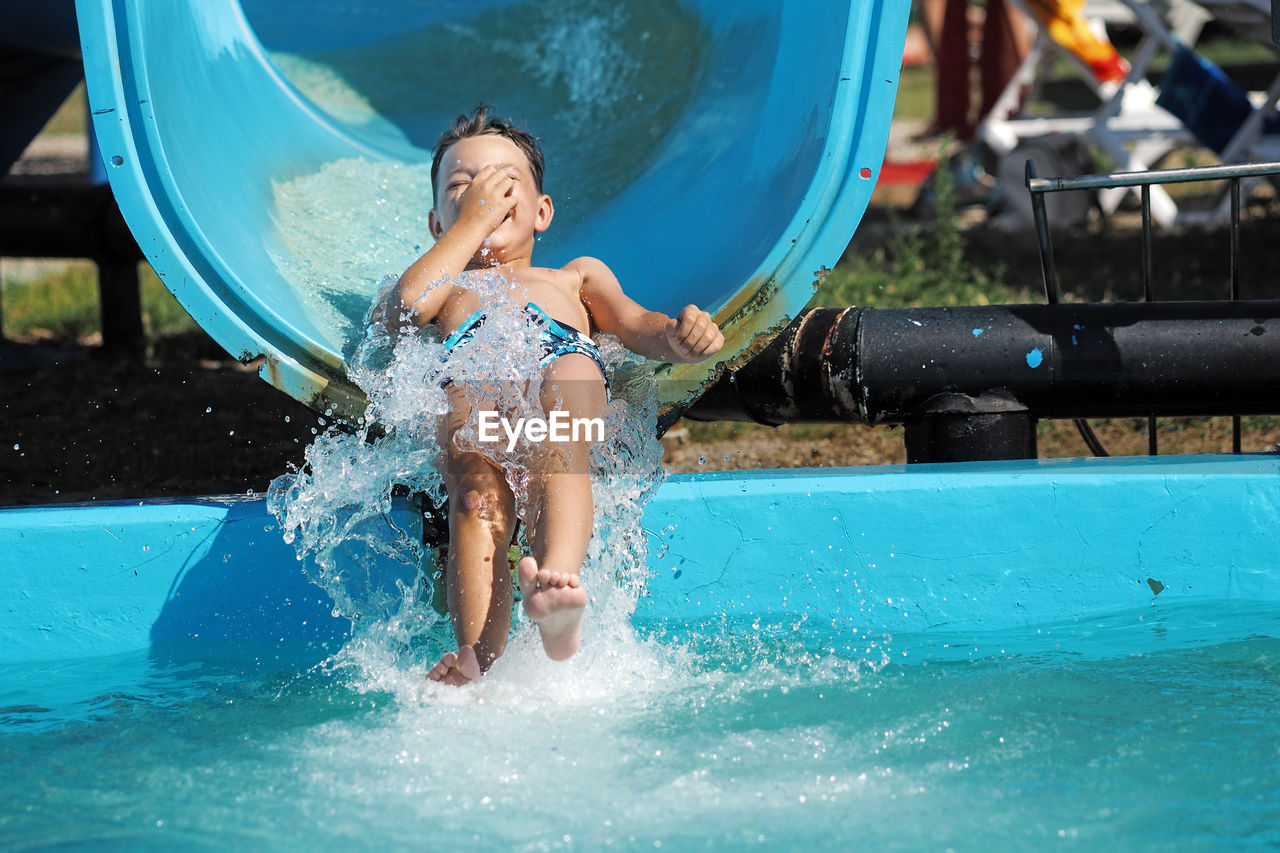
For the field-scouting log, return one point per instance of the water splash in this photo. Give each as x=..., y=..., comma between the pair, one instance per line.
x=337, y=508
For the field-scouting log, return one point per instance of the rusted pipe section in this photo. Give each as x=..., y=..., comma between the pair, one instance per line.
x=791, y=379
x=898, y=365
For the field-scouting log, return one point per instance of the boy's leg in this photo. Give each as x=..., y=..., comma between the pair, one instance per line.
x=482, y=520
x=561, y=510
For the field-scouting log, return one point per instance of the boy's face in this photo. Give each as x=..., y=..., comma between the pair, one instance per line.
x=513, y=239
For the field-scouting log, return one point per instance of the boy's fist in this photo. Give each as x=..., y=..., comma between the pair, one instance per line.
x=693, y=334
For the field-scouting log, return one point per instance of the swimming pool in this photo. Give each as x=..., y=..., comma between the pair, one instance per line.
x=906, y=658
x=709, y=742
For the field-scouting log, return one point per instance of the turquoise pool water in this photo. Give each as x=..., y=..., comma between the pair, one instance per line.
x=1154, y=728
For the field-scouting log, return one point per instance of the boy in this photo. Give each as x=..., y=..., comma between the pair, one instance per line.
x=489, y=207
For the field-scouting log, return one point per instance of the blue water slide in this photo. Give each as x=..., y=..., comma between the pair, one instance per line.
x=270, y=156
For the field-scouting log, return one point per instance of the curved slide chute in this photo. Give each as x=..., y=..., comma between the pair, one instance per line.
x=272, y=156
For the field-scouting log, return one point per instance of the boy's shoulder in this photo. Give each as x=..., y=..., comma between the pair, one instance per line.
x=590, y=270
x=571, y=279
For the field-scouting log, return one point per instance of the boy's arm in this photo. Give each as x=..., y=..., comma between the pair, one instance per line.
x=426, y=284
x=692, y=336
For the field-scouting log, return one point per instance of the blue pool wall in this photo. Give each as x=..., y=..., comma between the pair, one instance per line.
x=942, y=550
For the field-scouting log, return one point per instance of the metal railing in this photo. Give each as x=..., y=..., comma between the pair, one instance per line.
x=1235, y=173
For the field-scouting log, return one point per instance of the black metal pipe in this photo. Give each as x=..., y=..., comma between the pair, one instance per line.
x=971, y=438
x=897, y=365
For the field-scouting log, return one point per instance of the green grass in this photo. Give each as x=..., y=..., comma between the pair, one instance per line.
x=161, y=314
x=71, y=117
x=922, y=264
x=915, y=94
x=63, y=305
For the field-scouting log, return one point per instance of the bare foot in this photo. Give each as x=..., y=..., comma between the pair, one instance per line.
x=457, y=669
x=554, y=602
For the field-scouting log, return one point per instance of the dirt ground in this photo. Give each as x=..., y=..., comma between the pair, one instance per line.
x=78, y=424
x=93, y=426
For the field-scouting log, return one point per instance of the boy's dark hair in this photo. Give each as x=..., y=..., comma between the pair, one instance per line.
x=480, y=123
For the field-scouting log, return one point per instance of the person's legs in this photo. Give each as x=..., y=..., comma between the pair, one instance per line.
x=951, y=72
x=931, y=13
x=561, y=512
x=482, y=520
x=1004, y=44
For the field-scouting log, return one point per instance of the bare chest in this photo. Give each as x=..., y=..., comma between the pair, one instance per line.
x=555, y=291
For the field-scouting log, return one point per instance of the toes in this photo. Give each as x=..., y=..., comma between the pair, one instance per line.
x=528, y=571
x=439, y=672
x=455, y=679
x=533, y=578
x=565, y=579
x=557, y=579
